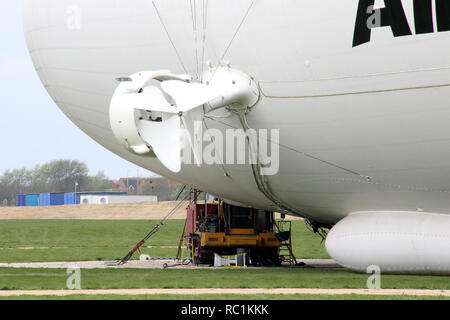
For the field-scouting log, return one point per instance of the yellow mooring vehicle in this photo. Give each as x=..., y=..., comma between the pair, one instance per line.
x=224, y=229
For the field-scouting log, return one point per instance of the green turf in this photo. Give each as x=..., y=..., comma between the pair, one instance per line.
x=228, y=297
x=78, y=240
x=36, y=279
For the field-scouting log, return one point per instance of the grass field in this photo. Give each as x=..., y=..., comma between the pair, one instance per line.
x=53, y=279
x=83, y=240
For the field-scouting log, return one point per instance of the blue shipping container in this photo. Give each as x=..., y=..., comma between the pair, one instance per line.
x=20, y=200
x=44, y=199
x=69, y=198
x=56, y=199
x=32, y=200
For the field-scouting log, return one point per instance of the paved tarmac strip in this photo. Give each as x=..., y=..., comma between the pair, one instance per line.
x=155, y=263
x=209, y=291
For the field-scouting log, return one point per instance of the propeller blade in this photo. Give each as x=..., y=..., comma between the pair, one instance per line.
x=165, y=139
x=189, y=127
x=188, y=95
x=151, y=98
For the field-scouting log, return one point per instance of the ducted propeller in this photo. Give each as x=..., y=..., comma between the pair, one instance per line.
x=150, y=111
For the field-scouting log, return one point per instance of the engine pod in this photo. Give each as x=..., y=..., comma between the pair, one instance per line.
x=396, y=242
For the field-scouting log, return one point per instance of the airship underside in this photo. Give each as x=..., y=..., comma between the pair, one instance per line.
x=348, y=103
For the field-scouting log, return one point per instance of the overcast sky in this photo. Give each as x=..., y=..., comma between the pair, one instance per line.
x=32, y=128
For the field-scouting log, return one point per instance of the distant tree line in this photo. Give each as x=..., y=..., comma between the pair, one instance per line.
x=53, y=176
x=62, y=175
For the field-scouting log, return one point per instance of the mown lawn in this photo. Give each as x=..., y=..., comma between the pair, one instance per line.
x=79, y=240
x=36, y=279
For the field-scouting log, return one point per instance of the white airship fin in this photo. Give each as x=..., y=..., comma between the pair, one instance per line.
x=165, y=139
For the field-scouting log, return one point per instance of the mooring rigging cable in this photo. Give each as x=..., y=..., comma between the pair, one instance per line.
x=170, y=38
x=238, y=29
x=296, y=151
x=234, y=37
x=193, y=6
x=156, y=228
x=205, y=16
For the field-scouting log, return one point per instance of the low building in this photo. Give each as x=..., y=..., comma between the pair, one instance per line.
x=112, y=199
x=59, y=198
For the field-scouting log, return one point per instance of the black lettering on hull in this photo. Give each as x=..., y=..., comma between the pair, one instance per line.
x=423, y=16
x=443, y=15
x=392, y=15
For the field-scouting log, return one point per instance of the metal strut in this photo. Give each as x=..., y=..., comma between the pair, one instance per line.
x=155, y=229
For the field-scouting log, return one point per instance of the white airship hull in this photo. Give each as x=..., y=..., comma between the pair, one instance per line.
x=362, y=128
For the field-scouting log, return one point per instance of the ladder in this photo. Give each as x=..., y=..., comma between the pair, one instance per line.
x=286, y=243
x=188, y=246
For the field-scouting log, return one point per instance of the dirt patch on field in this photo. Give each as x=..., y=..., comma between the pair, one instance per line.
x=208, y=291
x=123, y=211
